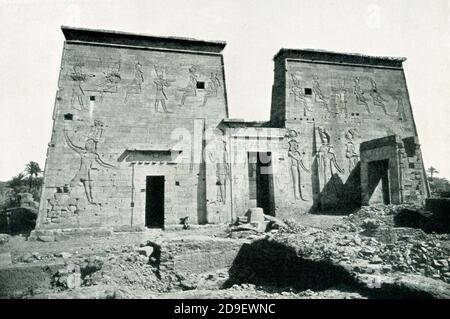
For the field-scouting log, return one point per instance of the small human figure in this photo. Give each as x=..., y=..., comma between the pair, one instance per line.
x=185, y=222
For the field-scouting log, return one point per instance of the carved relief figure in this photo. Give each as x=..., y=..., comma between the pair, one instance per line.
x=326, y=158
x=218, y=155
x=136, y=84
x=296, y=156
x=359, y=94
x=161, y=83
x=89, y=155
x=400, y=106
x=77, y=90
x=191, y=88
x=319, y=97
x=350, y=150
x=211, y=87
x=299, y=94
x=112, y=78
x=376, y=96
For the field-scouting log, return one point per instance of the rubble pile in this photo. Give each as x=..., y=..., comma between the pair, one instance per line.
x=355, y=242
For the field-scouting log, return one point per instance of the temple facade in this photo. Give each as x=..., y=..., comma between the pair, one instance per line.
x=142, y=138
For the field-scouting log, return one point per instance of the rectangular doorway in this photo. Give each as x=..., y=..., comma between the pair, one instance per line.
x=154, y=202
x=379, y=189
x=261, y=180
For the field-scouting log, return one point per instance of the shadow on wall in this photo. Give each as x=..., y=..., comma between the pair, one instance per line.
x=337, y=198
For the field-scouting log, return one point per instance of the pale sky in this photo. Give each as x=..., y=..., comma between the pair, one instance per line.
x=31, y=44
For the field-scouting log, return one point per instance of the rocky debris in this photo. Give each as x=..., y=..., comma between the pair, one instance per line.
x=68, y=278
x=146, y=251
x=64, y=255
x=256, y=221
x=370, y=224
x=4, y=238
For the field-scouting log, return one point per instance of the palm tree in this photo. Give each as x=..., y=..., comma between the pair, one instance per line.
x=32, y=169
x=432, y=171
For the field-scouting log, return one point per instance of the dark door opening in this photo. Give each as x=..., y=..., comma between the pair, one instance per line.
x=154, y=202
x=261, y=180
x=379, y=176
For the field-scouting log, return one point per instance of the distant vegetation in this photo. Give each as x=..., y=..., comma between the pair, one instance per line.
x=28, y=181
x=439, y=187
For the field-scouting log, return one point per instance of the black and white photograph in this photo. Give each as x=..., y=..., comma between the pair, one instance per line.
x=223, y=150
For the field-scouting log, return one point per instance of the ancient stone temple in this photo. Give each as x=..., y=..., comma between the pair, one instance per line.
x=141, y=136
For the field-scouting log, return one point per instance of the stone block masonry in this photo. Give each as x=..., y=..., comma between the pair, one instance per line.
x=141, y=135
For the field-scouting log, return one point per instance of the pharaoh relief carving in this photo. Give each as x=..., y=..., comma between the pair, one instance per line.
x=161, y=84
x=217, y=155
x=78, y=77
x=350, y=149
x=326, y=157
x=299, y=95
x=88, y=156
x=212, y=87
x=136, y=85
x=297, y=165
x=191, y=88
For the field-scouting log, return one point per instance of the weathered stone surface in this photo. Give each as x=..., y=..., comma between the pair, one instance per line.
x=146, y=251
x=5, y=259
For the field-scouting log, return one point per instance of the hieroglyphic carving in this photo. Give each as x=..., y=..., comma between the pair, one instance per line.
x=136, y=85
x=376, y=96
x=88, y=155
x=161, y=83
x=191, y=87
x=212, y=87
x=299, y=94
x=400, y=106
x=77, y=90
x=296, y=166
x=350, y=150
x=326, y=158
x=217, y=154
x=359, y=94
x=340, y=99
